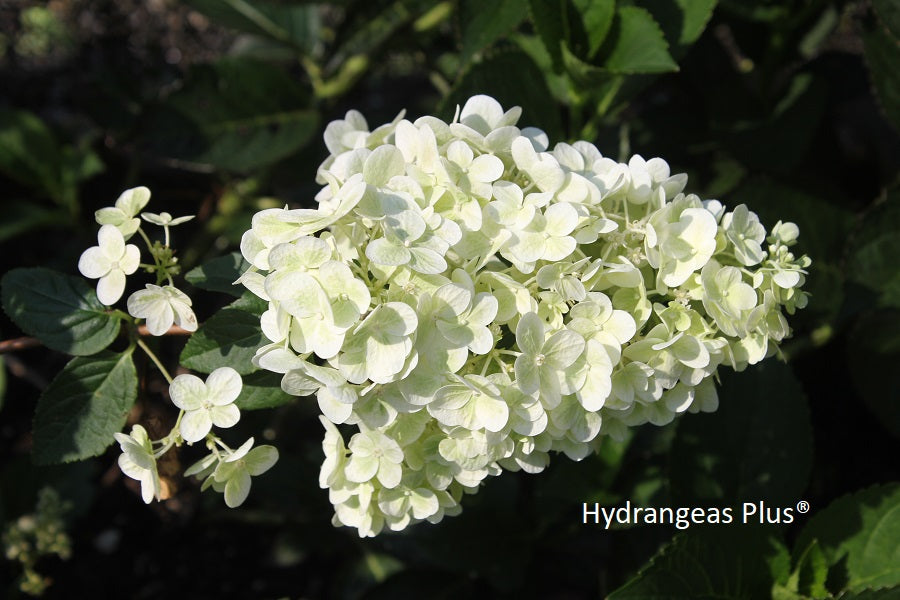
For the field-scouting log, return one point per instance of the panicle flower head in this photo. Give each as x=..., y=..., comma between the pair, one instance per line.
x=468, y=299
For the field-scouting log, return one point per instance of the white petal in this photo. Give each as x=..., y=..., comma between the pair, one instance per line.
x=111, y=286
x=223, y=385
x=93, y=264
x=195, y=424
x=225, y=416
x=111, y=241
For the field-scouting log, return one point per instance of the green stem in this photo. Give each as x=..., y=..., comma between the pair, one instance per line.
x=155, y=360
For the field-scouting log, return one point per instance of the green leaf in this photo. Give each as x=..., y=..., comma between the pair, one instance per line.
x=60, y=310
x=501, y=76
x=873, y=351
x=236, y=114
x=811, y=572
x=757, y=446
x=292, y=24
x=696, y=14
x=219, y=274
x=83, y=407
x=31, y=155
x=22, y=217
x=596, y=17
x=741, y=561
x=882, y=52
x=636, y=44
x=262, y=389
x=886, y=593
x=229, y=338
x=858, y=535
x=481, y=28
x=547, y=19
x=877, y=245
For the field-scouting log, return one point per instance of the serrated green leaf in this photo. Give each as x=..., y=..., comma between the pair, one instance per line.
x=757, y=445
x=219, y=274
x=811, y=572
x=596, y=17
x=547, y=20
x=262, y=390
x=695, y=15
x=713, y=562
x=229, y=338
x=60, y=310
x=295, y=25
x=858, y=535
x=882, y=52
x=236, y=114
x=885, y=593
x=481, y=28
x=85, y=404
x=636, y=44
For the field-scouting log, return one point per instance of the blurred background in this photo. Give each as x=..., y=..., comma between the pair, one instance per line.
x=218, y=106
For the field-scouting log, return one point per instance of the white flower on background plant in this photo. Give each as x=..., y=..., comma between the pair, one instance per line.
x=206, y=404
x=123, y=214
x=110, y=262
x=164, y=219
x=232, y=476
x=137, y=461
x=162, y=306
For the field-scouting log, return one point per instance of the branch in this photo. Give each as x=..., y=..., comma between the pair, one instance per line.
x=23, y=343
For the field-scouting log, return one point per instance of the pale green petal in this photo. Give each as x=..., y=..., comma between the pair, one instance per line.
x=426, y=261
x=528, y=376
x=424, y=503
x=195, y=424
x=187, y=392
x=223, y=385
x=111, y=242
x=332, y=407
x=383, y=252
x=111, y=286
x=361, y=468
x=492, y=413
x=562, y=348
x=389, y=473
x=225, y=416
x=486, y=168
x=93, y=263
x=561, y=219
x=261, y=459
x=530, y=334
x=132, y=201
x=383, y=163
x=237, y=489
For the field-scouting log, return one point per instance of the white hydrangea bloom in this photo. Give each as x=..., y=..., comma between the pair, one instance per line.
x=123, y=214
x=206, y=403
x=137, y=461
x=162, y=306
x=110, y=261
x=467, y=301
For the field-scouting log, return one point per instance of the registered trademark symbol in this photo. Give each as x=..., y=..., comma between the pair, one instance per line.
x=803, y=506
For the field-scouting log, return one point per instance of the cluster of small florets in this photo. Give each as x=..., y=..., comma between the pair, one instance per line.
x=202, y=404
x=468, y=301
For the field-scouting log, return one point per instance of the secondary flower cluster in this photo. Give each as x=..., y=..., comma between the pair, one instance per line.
x=470, y=301
x=202, y=404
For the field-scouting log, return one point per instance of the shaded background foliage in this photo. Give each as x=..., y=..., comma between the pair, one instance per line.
x=792, y=107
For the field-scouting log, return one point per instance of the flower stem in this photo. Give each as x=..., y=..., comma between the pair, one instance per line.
x=156, y=361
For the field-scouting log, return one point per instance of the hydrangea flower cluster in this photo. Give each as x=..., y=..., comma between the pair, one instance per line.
x=202, y=404
x=464, y=300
